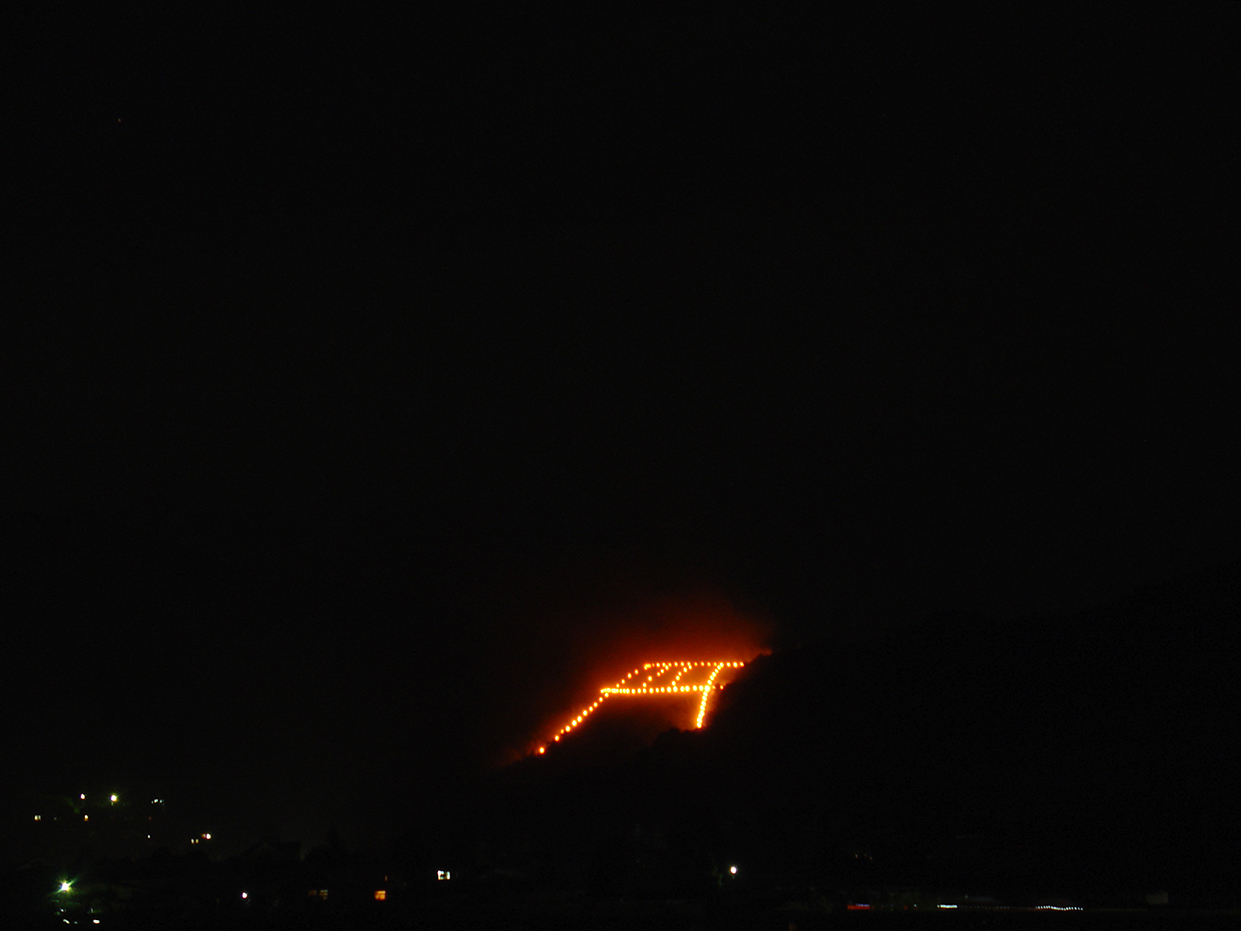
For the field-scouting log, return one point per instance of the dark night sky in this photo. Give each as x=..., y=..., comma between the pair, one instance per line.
x=498, y=328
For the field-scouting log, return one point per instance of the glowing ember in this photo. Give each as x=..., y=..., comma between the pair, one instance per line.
x=660, y=679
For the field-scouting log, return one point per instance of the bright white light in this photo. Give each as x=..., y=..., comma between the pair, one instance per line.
x=443, y=874
x=245, y=895
x=112, y=798
x=733, y=870
x=947, y=906
x=65, y=885
x=82, y=796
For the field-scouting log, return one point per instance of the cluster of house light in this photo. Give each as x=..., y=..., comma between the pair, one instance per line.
x=652, y=670
x=113, y=799
x=992, y=907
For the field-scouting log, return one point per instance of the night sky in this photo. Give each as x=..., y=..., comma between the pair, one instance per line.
x=377, y=389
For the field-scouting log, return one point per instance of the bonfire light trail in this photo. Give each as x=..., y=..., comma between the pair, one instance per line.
x=650, y=686
x=706, y=693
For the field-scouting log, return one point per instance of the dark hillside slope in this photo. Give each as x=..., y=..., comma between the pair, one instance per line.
x=1092, y=754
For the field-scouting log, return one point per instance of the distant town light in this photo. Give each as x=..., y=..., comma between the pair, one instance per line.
x=245, y=895
x=112, y=798
x=38, y=817
x=443, y=874
x=733, y=870
x=206, y=837
x=381, y=895
x=82, y=796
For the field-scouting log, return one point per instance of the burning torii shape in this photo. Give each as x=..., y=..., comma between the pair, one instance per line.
x=657, y=679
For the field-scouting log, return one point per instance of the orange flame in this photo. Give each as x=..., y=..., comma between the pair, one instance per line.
x=656, y=674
